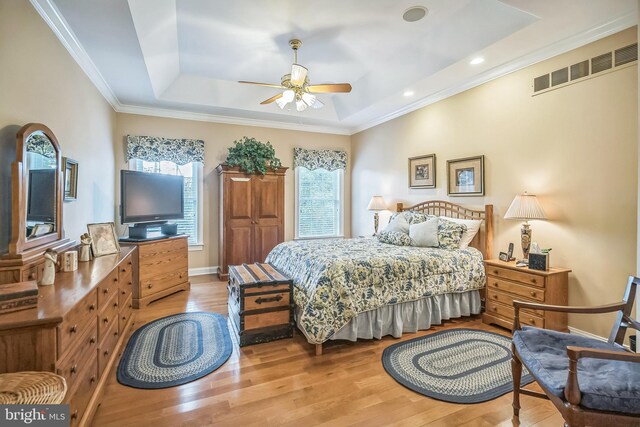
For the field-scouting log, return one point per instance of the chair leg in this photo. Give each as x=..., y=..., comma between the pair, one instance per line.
x=516, y=370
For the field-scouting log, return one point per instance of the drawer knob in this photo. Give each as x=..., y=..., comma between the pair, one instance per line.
x=74, y=416
x=106, y=291
x=495, y=308
x=92, y=340
x=74, y=369
x=92, y=379
x=115, y=279
x=130, y=305
x=124, y=270
x=123, y=292
x=495, y=296
x=129, y=262
x=533, y=294
x=533, y=281
x=150, y=286
x=105, y=320
x=92, y=307
x=272, y=299
x=73, y=329
x=115, y=334
x=495, y=284
x=496, y=272
x=115, y=305
x=106, y=352
x=532, y=320
x=130, y=284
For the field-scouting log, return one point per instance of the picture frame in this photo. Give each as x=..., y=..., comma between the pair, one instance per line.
x=70, y=179
x=465, y=177
x=104, y=239
x=422, y=171
x=41, y=229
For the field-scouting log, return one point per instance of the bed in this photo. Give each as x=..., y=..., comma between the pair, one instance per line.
x=361, y=289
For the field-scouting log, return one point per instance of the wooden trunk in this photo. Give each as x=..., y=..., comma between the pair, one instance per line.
x=251, y=216
x=260, y=303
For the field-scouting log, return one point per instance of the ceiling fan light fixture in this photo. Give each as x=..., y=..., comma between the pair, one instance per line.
x=281, y=103
x=301, y=105
x=288, y=96
x=309, y=99
x=298, y=75
x=317, y=104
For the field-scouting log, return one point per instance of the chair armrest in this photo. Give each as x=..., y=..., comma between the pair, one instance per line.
x=517, y=305
x=572, y=390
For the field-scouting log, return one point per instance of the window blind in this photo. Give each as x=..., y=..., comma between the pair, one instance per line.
x=319, y=204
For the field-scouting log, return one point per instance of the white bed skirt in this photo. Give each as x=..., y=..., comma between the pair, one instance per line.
x=409, y=316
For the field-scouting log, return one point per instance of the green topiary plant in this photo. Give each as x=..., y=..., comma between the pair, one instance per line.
x=252, y=156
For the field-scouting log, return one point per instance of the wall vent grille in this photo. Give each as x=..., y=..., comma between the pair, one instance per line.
x=589, y=67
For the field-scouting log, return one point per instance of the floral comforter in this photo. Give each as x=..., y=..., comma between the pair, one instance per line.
x=335, y=280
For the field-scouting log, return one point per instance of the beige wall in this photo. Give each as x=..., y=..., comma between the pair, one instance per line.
x=218, y=138
x=575, y=147
x=40, y=82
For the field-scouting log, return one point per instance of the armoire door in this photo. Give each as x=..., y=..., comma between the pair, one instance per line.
x=268, y=214
x=238, y=227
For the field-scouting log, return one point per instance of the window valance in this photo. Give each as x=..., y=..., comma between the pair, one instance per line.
x=156, y=149
x=319, y=159
x=40, y=144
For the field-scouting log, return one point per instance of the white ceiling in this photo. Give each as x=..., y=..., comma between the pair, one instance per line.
x=182, y=58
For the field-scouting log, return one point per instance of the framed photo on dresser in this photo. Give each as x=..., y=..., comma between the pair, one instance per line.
x=104, y=240
x=422, y=171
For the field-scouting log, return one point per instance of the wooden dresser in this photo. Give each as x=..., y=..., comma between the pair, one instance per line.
x=506, y=282
x=77, y=329
x=162, y=268
x=251, y=216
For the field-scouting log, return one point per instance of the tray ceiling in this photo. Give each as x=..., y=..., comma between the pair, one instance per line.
x=184, y=57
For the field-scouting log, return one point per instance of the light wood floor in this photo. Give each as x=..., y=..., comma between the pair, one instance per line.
x=283, y=383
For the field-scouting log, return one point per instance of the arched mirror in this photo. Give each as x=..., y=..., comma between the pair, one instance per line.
x=37, y=185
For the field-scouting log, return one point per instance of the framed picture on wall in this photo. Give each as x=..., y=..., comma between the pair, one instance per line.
x=70, y=179
x=422, y=171
x=465, y=177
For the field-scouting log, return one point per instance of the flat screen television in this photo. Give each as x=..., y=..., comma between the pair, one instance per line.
x=41, y=206
x=150, y=197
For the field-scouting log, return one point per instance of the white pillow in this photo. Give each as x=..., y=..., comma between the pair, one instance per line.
x=473, y=226
x=399, y=224
x=425, y=234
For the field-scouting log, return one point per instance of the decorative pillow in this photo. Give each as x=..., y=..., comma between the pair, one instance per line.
x=473, y=226
x=425, y=234
x=397, y=238
x=412, y=217
x=398, y=224
x=450, y=233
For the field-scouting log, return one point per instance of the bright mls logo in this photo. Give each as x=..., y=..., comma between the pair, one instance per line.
x=34, y=415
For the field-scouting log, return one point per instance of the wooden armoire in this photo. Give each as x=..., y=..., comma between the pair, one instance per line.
x=251, y=216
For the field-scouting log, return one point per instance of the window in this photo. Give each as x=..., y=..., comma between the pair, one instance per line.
x=319, y=203
x=191, y=225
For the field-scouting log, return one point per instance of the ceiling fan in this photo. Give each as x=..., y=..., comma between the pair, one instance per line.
x=297, y=88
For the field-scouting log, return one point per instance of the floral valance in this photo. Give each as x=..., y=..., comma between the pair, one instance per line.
x=39, y=143
x=319, y=159
x=156, y=149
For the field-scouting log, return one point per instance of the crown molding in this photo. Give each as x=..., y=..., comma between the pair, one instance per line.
x=51, y=15
x=204, y=117
x=621, y=23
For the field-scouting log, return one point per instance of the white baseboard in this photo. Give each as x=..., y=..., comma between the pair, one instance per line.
x=580, y=332
x=201, y=271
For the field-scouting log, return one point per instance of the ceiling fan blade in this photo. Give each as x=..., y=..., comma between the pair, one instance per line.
x=261, y=84
x=270, y=100
x=330, y=88
x=298, y=74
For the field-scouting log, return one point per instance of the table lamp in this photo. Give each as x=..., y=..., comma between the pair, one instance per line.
x=525, y=207
x=376, y=204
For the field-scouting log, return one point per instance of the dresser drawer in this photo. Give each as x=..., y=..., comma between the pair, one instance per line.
x=124, y=293
x=71, y=366
x=151, y=285
x=34, y=272
x=108, y=317
x=163, y=265
x=125, y=270
x=526, y=318
x=75, y=321
x=517, y=276
x=256, y=302
x=514, y=288
x=107, y=289
x=126, y=310
x=86, y=385
x=160, y=248
x=106, y=347
x=507, y=299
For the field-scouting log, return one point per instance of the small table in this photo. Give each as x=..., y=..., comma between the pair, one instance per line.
x=506, y=282
x=260, y=303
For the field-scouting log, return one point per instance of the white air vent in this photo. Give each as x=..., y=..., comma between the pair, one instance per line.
x=606, y=62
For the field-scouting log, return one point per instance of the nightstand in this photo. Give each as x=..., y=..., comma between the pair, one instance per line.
x=506, y=282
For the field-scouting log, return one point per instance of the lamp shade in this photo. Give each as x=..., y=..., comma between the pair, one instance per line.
x=377, y=204
x=525, y=206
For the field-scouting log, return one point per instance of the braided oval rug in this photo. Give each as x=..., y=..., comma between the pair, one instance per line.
x=457, y=365
x=175, y=350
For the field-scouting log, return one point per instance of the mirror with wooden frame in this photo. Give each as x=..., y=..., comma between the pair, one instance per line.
x=37, y=190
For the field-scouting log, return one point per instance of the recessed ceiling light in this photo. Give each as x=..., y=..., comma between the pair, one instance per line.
x=408, y=93
x=415, y=13
x=477, y=60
